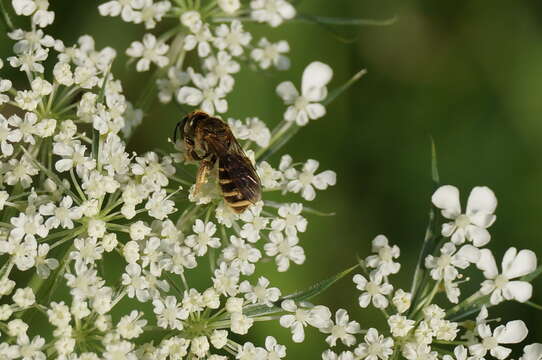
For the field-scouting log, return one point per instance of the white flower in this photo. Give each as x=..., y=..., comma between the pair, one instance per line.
x=168, y=313
x=267, y=54
x=532, y=352
x=135, y=282
x=203, y=237
x=260, y=293
x=306, y=106
x=127, y=9
x=415, y=351
x=375, y=347
x=44, y=265
x=306, y=181
x=31, y=349
x=240, y=324
x=30, y=61
x=269, y=177
x=131, y=326
x=226, y=279
x=318, y=317
x=514, y=332
x=273, y=12
x=400, y=325
x=222, y=66
x=401, y=300
x=150, y=51
x=200, y=38
x=285, y=249
x=343, y=329
x=233, y=38
x=384, y=255
x=159, y=206
x=478, y=217
x=168, y=87
x=514, y=265
x=27, y=227
x=61, y=215
x=241, y=255
x=460, y=353
x=254, y=223
x=36, y=8
x=87, y=250
x=152, y=13
x=229, y=6
x=275, y=351
x=248, y=351
x=8, y=136
x=290, y=220
x=445, y=266
x=208, y=95
x=24, y=297
x=373, y=290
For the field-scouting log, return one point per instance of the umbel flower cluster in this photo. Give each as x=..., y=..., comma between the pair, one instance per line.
x=99, y=247
x=421, y=325
x=76, y=207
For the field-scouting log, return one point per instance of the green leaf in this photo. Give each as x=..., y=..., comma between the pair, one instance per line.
x=434, y=164
x=319, y=287
x=7, y=19
x=306, y=209
x=530, y=277
x=304, y=295
x=338, y=91
x=282, y=134
x=324, y=20
x=532, y=304
x=429, y=238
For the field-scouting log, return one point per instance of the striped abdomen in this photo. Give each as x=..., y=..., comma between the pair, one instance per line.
x=232, y=195
x=239, y=183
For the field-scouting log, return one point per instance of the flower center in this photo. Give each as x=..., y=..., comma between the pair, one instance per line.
x=372, y=288
x=490, y=343
x=462, y=221
x=444, y=260
x=501, y=281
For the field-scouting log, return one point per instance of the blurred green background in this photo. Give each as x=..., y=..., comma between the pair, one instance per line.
x=468, y=73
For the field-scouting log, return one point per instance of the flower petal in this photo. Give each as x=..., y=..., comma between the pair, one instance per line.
x=446, y=198
x=532, y=352
x=487, y=264
x=519, y=290
x=524, y=263
x=481, y=199
x=315, y=78
x=287, y=92
x=514, y=332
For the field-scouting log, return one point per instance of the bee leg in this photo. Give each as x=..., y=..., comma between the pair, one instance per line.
x=205, y=166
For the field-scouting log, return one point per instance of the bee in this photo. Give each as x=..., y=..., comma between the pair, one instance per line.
x=210, y=140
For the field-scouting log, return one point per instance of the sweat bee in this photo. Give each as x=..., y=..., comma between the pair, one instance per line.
x=210, y=140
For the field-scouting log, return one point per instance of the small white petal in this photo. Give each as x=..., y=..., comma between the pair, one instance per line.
x=487, y=264
x=519, y=290
x=524, y=263
x=515, y=332
x=446, y=198
x=481, y=199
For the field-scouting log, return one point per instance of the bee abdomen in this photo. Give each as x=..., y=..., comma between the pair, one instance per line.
x=232, y=195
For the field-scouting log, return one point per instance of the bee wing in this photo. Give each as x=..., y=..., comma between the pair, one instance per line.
x=238, y=168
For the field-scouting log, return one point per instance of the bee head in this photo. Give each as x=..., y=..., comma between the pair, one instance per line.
x=179, y=128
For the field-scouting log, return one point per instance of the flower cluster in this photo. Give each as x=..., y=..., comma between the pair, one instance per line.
x=77, y=207
x=420, y=328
